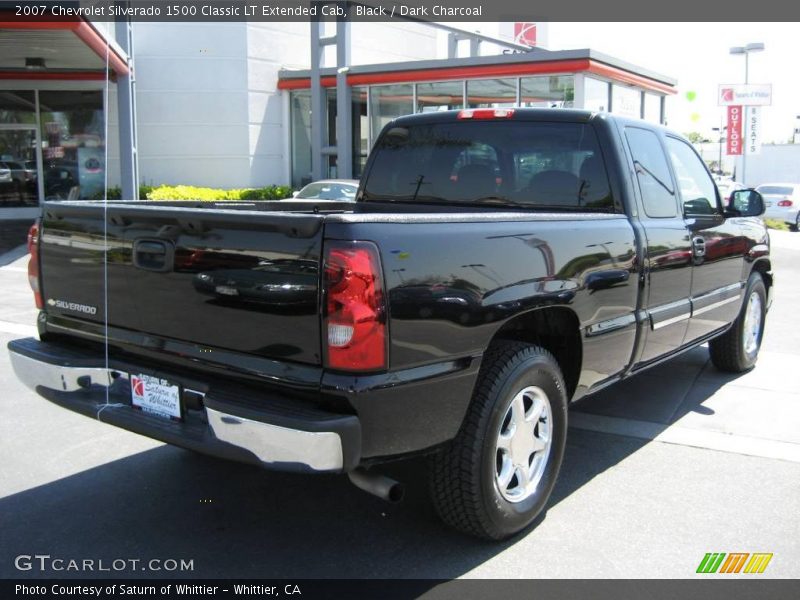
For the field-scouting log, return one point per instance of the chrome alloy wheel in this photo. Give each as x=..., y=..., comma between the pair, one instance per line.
x=751, y=331
x=523, y=444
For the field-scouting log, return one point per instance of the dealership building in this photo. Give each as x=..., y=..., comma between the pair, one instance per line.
x=249, y=104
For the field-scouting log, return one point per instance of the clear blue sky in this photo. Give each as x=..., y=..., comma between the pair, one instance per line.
x=697, y=55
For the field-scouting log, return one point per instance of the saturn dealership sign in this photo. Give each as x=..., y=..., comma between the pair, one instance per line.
x=745, y=94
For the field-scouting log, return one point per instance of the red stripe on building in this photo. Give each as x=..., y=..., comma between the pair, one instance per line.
x=54, y=75
x=99, y=46
x=480, y=71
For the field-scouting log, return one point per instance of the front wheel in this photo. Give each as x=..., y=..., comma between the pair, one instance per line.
x=496, y=476
x=736, y=351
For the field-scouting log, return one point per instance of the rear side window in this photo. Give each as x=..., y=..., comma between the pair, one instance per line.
x=538, y=165
x=652, y=172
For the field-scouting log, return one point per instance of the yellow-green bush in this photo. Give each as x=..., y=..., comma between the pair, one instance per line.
x=188, y=192
x=776, y=224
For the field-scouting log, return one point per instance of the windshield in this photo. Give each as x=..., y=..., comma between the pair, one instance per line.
x=542, y=165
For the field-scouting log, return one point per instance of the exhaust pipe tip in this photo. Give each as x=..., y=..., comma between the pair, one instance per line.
x=396, y=493
x=381, y=486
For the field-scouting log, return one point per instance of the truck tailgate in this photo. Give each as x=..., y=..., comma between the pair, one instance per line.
x=242, y=280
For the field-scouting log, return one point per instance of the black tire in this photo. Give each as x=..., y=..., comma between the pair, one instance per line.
x=728, y=351
x=464, y=489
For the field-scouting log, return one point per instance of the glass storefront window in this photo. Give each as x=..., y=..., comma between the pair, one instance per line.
x=595, y=94
x=17, y=108
x=552, y=91
x=443, y=95
x=360, y=130
x=73, y=144
x=626, y=101
x=300, y=103
x=18, y=170
x=329, y=170
x=375, y=106
x=667, y=111
x=388, y=102
x=652, y=108
x=491, y=93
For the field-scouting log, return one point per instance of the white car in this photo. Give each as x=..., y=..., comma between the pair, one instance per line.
x=782, y=201
x=343, y=190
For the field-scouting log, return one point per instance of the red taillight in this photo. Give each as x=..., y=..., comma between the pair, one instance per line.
x=355, y=317
x=486, y=113
x=33, y=264
x=785, y=203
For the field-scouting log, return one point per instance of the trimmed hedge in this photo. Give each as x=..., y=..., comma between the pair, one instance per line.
x=189, y=192
x=115, y=193
x=776, y=224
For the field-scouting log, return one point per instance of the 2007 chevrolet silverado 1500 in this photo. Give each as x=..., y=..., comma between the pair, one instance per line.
x=498, y=264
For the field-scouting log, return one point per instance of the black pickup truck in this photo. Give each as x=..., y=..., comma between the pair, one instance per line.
x=498, y=264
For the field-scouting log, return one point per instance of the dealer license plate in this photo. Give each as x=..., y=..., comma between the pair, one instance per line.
x=156, y=396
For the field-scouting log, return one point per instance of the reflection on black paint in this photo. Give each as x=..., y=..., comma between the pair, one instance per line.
x=283, y=286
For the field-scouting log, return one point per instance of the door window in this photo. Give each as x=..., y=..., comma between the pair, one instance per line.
x=698, y=192
x=652, y=172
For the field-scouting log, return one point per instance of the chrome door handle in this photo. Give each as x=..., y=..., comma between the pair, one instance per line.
x=699, y=246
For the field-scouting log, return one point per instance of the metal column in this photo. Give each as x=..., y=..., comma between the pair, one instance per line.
x=745, y=115
x=344, y=117
x=344, y=104
x=126, y=109
x=317, y=100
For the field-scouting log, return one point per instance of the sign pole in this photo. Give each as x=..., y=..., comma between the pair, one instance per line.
x=746, y=113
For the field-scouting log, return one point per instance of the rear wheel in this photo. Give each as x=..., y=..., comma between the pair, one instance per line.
x=737, y=349
x=496, y=476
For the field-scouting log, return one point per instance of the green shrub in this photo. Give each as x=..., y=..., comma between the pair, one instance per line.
x=776, y=224
x=190, y=192
x=271, y=192
x=115, y=193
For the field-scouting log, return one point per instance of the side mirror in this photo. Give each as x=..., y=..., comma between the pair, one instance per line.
x=294, y=193
x=745, y=203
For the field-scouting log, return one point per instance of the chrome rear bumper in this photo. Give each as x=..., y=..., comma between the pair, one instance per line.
x=276, y=437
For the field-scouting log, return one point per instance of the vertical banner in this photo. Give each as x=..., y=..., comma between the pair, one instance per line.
x=734, y=143
x=753, y=130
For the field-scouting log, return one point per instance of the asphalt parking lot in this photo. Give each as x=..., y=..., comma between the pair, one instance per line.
x=660, y=470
